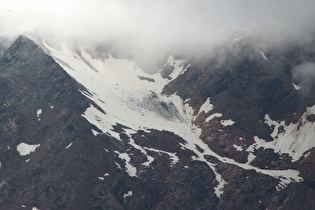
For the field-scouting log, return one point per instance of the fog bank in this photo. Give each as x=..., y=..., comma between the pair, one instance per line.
x=147, y=30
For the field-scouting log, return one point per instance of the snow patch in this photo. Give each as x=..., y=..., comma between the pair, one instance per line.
x=250, y=158
x=128, y=194
x=282, y=184
x=211, y=117
x=178, y=66
x=38, y=113
x=102, y=122
x=131, y=170
x=296, y=87
x=263, y=55
x=69, y=145
x=238, y=148
x=307, y=154
x=95, y=133
x=173, y=156
x=118, y=166
x=206, y=107
x=26, y=149
x=227, y=122
x=150, y=159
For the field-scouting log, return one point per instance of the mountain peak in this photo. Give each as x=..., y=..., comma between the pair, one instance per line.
x=21, y=48
x=24, y=42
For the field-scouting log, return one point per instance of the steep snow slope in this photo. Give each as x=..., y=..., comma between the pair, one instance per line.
x=116, y=86
x=126, y=95
x=293, y=139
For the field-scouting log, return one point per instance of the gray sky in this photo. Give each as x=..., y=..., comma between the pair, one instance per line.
x=148, y=29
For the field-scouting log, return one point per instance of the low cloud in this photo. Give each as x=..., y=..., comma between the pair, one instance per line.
x=304, y=75
x=148, y=30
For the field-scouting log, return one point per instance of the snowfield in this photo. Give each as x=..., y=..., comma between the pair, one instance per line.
x=115, y=85
x=293, y=139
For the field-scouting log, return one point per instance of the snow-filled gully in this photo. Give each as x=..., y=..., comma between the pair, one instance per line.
x=116, y=87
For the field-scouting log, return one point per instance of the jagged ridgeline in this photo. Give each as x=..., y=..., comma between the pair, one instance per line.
x=77, y=132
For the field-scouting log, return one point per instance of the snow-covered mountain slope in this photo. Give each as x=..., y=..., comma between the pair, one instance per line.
x=295, y=139
x=78, y=132
x=125, y=95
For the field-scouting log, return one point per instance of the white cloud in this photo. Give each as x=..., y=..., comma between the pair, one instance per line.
x=304, y=74
x=148, y=29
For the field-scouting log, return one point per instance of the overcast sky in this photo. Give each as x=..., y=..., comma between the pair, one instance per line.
x=147, y=28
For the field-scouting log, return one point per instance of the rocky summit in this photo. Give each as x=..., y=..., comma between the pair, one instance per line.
x=232, y=130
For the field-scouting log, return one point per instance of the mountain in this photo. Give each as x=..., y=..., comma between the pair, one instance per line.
x=234, y=130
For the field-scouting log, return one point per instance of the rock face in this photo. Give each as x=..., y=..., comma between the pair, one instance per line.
x=245, y=138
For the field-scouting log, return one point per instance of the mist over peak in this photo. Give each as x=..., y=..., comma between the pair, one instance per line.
x=147, y=31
